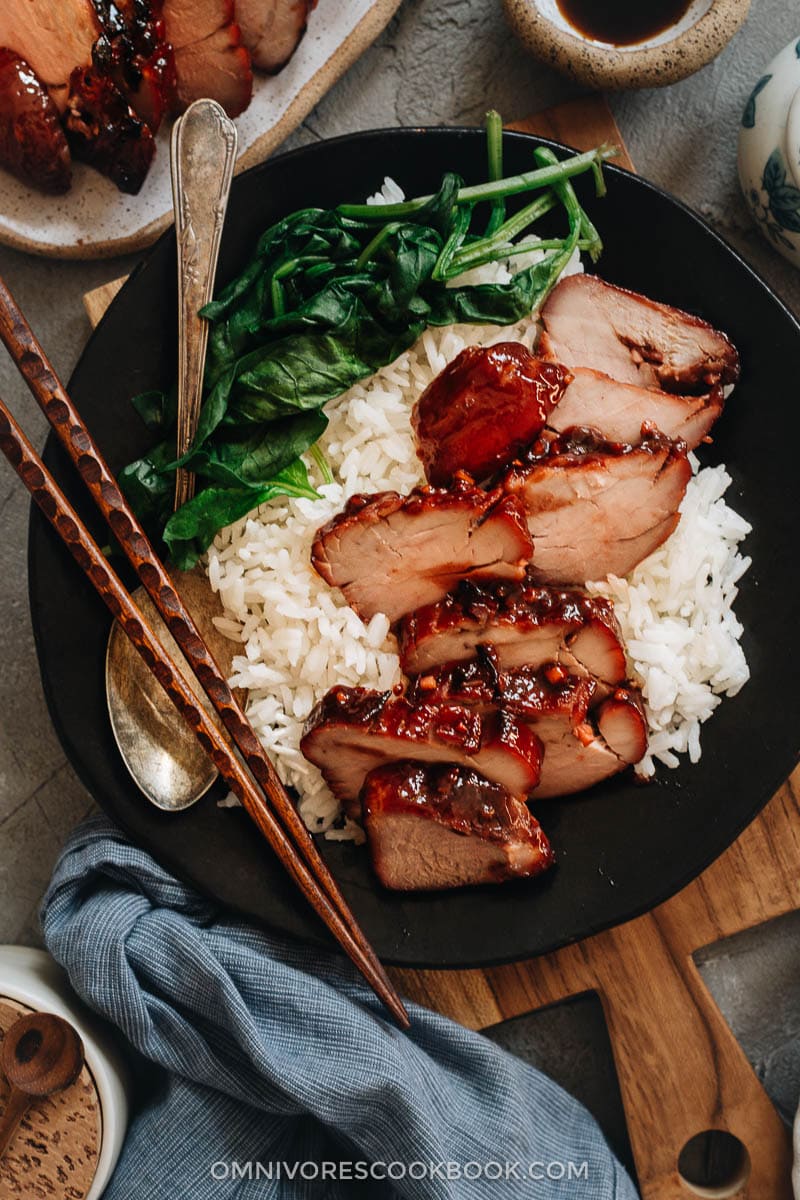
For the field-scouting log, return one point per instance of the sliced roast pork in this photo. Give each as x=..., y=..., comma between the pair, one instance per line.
x=53, y=36
x=133, y=50
x=390, y=553
x=272, y=29
x=596, y=508
x=590, y=323
x=585, y=739
x=210, y=59
x=483, y=409
x=622, y=722
x=618, y=411
x=446, y=826
x=353, y=730
x=68, y=48
x=32, y=143
x=527, y=624
x=104, y=131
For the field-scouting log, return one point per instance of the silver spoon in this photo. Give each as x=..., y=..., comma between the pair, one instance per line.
x=158, y=748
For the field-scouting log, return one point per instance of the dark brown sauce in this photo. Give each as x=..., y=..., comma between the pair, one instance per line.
x=622, y=22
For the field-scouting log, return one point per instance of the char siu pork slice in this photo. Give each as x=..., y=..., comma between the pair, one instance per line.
x=273, y=29
x=210, y=59
x=483, y=409
x=589, y=323
x=529, y=693
x=619, y=410
x=597, y=508
x=584, y=742
x=54, y=36
x=528, y=625
x=622, y=721
x=353, y=730
x=390, y=553
x=133, y=50
x=446, y=826
x=32, y=143
x=104, y=131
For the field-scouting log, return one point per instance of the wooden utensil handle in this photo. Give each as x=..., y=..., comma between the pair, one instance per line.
x=58, y=511
x=36, y=369
x=17, y=1105
x=681, y=1071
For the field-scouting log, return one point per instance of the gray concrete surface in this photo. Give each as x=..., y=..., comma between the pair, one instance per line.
x=439, y=61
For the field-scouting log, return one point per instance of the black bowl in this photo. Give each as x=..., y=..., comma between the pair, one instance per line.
x=622, y=847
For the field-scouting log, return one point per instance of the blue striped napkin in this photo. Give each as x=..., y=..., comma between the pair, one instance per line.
x=278, y=1075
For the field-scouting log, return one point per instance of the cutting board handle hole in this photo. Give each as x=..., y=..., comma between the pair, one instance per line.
x=714, y=1164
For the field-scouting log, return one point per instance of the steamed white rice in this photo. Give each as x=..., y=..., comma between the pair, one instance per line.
x=299, y=638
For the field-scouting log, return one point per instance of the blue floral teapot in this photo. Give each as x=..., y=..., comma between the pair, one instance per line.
x=769, y=152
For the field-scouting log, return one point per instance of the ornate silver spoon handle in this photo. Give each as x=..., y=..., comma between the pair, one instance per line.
x=203, y=152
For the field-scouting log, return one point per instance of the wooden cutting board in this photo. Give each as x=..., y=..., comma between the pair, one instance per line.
x=681, y=1071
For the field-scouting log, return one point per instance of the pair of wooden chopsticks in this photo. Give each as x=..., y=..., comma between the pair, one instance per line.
x=258, y=787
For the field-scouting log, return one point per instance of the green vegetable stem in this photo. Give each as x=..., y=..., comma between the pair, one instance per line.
x=329, y=297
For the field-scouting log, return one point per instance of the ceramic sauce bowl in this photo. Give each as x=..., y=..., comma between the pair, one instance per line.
x=31, y=980
x=769, y=152
x=699, y=33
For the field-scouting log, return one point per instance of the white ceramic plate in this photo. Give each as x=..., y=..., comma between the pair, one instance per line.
x=95, y=220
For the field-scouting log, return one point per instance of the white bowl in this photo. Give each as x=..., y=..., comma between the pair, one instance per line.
x=31, y=977
x=769, y=152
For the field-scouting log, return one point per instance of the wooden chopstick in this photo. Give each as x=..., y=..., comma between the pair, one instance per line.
x=69, y=527
x=280, y=823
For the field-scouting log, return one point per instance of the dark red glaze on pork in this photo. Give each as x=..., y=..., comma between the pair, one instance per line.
x=619, y=411
x=483, y=409
x=32, y=143
x=525, y=692
x=585, y=737
x=597, y=508
x=578, y=443
x=591, y=323
x=527, y=624
x=391, y=553
x=210, y=58
x=133, y=50
x=104, y=131
x=353, y=730
x=433, y=827
x=54, y=36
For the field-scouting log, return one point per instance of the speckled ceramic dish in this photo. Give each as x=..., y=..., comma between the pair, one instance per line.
x=705, y=28
x=94, y=220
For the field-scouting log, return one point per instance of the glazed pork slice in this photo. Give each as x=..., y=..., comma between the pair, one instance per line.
x=618, y=411
x=273, y=29
x=104, y=131
x=596, y=508
x=353, y=730
x=585, y=739
x=32, y=143
x=526, y=623
x=210, y=59
x=483, y=409
x=390, y=553
x=68, y=48
x=133, y=50
x=53, y=36
x=590, y=323
x=433, y=827
x=622, y=722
